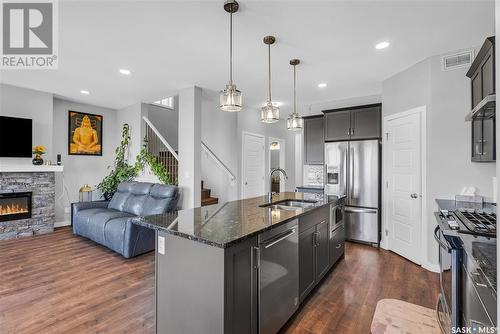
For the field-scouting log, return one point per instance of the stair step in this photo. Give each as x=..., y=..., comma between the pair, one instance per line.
x=205, y=193
x=209, y=201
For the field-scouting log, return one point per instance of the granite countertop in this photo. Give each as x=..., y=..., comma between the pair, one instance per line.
x=223, y=225
x=481, y=250
x=311, y=186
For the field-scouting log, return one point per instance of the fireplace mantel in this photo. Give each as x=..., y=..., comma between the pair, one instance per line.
x=25, y=168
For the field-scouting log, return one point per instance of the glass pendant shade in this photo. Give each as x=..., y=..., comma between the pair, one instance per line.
x=295, y=122
x=230, y=99
x=269, y=113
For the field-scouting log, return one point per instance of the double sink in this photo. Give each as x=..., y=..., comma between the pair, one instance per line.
x=290, y=205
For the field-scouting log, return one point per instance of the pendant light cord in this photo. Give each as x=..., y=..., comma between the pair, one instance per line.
x=294, y=90
x=269, y=67
x=231, y=49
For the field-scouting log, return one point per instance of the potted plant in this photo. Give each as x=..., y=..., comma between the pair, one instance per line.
x=38, y=151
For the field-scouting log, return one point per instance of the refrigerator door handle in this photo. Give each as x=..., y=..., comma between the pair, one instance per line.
x=360, y=210
x=351, y=174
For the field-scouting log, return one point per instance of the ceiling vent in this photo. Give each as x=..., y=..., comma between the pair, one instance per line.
x=457, y=60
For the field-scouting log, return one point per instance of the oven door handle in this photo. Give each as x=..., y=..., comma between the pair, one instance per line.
x=439, y=241
x=438, y=316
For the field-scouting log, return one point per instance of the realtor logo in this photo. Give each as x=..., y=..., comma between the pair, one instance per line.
x=29, y=34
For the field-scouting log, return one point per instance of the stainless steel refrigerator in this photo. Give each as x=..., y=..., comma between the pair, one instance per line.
x=353, y=170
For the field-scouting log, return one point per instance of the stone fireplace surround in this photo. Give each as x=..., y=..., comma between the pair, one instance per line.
x=40, y=180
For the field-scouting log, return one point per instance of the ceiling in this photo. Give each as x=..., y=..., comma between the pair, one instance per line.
x=170, y=45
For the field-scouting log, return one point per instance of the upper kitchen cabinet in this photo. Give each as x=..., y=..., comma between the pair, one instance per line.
x=313, y=140
x=338, y=125
x=483, y=103
x=482, y=74
x=355, y=123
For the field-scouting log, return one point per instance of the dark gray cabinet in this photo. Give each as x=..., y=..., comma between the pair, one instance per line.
x=482, y=72
x=483, y=140
x=322, y=263
x=313, y=250
x=313, y=140
x=366, y=123
x=242, y=288
x=363, y=122
x=338, y=125
x=337, y=244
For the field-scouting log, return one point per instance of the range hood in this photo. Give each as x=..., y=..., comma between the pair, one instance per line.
x=484, y=109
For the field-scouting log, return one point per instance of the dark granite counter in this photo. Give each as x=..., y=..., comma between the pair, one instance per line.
x=223, y=225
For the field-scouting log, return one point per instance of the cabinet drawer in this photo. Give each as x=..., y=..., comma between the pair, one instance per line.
x=337, y=244
x=314, y=217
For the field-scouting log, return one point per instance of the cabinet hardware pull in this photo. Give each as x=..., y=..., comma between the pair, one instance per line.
x=338, y=246
x=481, y=285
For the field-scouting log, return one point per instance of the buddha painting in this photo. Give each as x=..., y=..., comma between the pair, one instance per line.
x=85, y=134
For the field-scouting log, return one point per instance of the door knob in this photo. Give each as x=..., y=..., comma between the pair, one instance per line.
x=414, y=195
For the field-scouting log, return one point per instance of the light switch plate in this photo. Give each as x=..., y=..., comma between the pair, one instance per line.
x=161, y=245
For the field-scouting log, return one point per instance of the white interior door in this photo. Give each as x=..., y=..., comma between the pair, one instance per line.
x=403, y=171
x=253, y=165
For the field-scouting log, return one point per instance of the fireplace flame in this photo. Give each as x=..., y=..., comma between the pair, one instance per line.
x=12, y=209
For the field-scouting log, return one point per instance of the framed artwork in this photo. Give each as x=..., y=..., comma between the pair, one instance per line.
x=84, y=134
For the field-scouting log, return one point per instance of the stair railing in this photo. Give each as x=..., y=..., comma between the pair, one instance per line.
x=158, y=146
x=218, y=161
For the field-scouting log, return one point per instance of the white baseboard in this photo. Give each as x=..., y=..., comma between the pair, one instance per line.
x=431, y=267
x=62, y=223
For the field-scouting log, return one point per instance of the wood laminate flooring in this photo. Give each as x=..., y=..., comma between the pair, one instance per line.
x=59, y=283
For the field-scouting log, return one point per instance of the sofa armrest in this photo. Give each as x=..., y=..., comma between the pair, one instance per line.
x=76, y=207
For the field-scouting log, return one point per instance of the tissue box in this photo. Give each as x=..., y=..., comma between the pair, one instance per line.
x=469, y=199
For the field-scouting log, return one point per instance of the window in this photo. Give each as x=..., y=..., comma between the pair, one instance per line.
x=166, y=102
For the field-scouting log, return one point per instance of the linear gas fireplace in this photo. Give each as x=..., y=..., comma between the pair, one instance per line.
x=15, y=206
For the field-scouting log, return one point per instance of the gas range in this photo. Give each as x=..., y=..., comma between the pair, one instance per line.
x=470, y=221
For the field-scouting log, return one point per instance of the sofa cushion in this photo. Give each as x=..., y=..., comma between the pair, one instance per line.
x=121, y=195
x=114, y=233
x=97, y=224
x=161, y=199
x=135, y=201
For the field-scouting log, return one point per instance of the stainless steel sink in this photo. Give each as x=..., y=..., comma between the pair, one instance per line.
x=290, y=205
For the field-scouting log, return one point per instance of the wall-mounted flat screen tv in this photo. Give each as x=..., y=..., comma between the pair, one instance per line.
x=16, y=136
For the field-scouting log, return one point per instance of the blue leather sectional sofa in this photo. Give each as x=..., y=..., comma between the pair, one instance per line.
x=109, y=223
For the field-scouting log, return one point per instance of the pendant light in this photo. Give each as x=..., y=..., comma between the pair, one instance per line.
x=230, y=98
x=269, y=113
x=295, y=122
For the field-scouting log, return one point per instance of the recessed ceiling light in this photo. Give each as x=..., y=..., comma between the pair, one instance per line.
x=382, y=45
x=85, y=92
x=124, y=71
x=322, y=85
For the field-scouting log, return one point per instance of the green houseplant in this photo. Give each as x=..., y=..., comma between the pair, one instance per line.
x=123, y=171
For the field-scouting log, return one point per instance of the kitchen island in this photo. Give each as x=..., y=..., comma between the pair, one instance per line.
x=242, y=266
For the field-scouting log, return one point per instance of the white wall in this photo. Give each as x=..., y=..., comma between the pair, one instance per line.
x=166, y=121
x=446, y=94
x=28, y=103
x=249, y=120
x=219, y=133
x=132, y=115
x=80, y=170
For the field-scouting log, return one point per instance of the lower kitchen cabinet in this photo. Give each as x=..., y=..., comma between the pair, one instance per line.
x=337, y=244
x=314, y=250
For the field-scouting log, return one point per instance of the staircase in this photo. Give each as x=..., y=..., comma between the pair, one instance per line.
x=158, y=147
x=206, y=199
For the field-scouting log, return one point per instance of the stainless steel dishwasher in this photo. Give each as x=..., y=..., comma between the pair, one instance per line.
x=278, y=276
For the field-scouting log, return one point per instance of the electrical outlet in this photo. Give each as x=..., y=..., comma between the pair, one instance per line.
x=161, y=245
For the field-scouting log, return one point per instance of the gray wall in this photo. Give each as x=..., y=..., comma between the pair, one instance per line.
x=446, y=94
x=80, y=170
x=28, y=103
x=219, y=133
x=166, y=121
